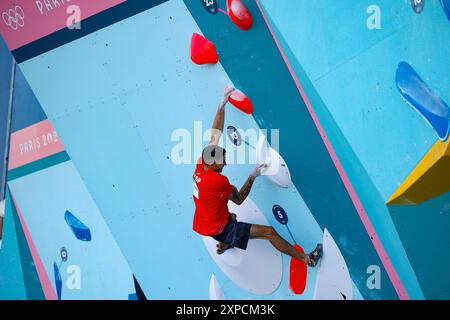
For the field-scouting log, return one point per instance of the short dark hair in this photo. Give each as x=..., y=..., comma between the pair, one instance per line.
x=213, y=154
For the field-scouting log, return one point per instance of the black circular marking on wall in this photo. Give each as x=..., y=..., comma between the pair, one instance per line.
x=418, y=5
x=64, y=255
x=234, y=135
x=280, y=214
x=210, y=6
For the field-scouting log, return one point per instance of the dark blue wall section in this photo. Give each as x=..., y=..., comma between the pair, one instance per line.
x=424, y=230
x=26, y=108
x=5, y=80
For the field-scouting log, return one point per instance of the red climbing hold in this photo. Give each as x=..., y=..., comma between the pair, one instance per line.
x=239, y=14
x=241, y=101
x=203, y=51
x=298, y=274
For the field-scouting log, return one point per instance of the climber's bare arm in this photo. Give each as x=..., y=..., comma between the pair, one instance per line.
x=219, y=120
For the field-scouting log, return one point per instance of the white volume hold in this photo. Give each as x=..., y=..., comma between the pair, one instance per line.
x=277, y=170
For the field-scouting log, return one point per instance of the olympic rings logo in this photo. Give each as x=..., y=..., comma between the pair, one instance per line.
x=14, y=18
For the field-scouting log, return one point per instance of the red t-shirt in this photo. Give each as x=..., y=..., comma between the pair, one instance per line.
x=211, y=193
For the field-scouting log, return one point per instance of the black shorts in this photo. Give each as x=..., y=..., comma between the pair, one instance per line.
x=235, y=234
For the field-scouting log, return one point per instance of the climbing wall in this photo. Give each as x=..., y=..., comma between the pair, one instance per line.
x=350, y=68
x=96, y=159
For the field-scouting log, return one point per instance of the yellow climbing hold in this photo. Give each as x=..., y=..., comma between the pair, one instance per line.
x=429, y=179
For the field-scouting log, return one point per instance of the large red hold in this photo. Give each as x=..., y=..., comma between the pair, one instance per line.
x=298, y=274
x=241, y=101
x=239, y=14
x=203, y=51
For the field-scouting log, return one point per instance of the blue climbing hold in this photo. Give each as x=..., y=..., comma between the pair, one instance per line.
x=133, y=296
x=80, y=230
x=446, y=5
x=423, y=99
x=58, y=280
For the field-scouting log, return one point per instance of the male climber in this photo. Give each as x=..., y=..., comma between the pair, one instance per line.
x=212, y=190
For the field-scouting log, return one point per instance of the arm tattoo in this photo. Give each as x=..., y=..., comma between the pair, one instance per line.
x=239, y=197
x=235, y=195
